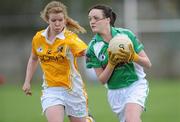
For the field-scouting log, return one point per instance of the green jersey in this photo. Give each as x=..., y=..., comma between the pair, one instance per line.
x=123, y=74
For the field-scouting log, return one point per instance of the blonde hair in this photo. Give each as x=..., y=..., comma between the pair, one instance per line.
x=58, y=7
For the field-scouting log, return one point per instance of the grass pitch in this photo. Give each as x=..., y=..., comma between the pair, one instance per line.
x=163, y=104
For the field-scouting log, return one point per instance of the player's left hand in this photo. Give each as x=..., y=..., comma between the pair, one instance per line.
x=134, y=56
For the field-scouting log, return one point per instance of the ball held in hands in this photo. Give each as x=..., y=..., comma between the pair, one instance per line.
x=120, y=41
x=119, y=45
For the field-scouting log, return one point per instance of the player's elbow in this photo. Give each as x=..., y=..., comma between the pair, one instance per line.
x=148, y=65
x=103, y=81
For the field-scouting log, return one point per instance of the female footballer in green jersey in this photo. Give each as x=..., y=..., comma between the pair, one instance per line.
x=126, y=83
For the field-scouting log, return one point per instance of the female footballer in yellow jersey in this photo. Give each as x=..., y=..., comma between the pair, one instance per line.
x=56, y=49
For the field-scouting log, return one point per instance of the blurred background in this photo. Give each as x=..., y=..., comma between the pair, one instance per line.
x=155, y=22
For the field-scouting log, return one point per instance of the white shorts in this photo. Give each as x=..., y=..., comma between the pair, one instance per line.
x=75, y=103
x=135, y=93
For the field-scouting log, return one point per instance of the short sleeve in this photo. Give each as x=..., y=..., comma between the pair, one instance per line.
x=91, y=59
x=138, y=46
x=33, y=47
x=77, y=45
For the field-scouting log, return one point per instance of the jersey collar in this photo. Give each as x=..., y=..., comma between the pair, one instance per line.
x=99, y=38
x=114, y=31
x=60, y=35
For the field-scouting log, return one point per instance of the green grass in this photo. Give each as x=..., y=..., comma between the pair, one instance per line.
x=163, y=104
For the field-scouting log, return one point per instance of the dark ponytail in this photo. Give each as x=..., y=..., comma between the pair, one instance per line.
x=113, y=18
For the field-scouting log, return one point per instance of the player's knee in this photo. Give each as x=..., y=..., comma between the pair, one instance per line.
x=132, y=119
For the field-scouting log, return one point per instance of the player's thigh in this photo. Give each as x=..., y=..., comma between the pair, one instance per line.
x=55, y=113
x=133, y=112
x=76, y=105
x=138, y=93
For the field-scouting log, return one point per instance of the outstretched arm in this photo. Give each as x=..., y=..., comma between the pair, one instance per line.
x=31, y=68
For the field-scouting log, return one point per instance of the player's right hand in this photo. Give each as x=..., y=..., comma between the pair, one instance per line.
x=112, y=59
x=27, y=89
x=123, y=56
